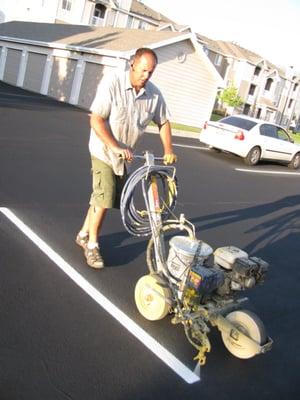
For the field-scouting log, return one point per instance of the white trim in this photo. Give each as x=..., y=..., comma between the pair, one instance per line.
x=77, y=81
x=164, y=26
x=3, y=61
x=115, y=24
x=47, y=74
x=22, y=68
x=162, y=43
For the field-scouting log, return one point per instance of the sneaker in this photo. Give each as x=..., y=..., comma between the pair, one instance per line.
x=82, y=241
x=93, y=258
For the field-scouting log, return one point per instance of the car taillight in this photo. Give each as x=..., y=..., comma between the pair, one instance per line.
x=239, y=135
x=205, y=125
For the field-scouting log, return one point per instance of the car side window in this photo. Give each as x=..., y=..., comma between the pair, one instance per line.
x=268, y=130
x=282, y=135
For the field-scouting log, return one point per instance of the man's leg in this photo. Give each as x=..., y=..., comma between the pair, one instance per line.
x=93, y=222
x=102, y=198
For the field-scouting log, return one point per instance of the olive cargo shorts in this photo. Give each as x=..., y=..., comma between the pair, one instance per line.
x=107, y=187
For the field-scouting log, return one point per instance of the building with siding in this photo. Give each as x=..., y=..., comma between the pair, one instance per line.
x=268, y=92
x=118, y=14
x=67, y=62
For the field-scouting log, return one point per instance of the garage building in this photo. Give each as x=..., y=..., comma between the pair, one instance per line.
x=67, y=62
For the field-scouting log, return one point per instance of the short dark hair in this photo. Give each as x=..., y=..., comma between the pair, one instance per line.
x=144, y=50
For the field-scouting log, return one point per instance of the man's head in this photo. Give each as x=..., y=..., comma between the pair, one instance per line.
x=142, y=66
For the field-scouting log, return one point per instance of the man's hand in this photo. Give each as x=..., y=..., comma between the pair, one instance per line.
x=170, y=158
x=125, y=154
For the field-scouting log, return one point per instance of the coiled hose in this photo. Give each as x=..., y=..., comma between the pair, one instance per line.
x=137, y=222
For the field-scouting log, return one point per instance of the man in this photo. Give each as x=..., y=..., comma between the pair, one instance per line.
x=123, y=107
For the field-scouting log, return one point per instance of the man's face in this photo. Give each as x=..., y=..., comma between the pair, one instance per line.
x=141, y=70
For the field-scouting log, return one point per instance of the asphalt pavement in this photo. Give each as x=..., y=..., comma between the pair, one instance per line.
x=70, y=332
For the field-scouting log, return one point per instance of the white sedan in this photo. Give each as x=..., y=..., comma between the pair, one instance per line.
x=252, y=139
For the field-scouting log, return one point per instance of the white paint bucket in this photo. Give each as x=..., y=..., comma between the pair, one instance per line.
x=181, y=255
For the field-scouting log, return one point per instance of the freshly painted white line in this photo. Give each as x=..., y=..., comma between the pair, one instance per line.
x=162, y=353
x=267, y=172
x=192, y=147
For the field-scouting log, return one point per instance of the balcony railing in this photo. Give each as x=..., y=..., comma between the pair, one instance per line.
x=97, y=21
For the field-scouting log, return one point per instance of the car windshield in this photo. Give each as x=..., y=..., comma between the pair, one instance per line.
x=239, y=122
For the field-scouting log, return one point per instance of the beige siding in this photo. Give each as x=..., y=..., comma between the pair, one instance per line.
x=188, y=87
x=34, y=71
x=111, y=17
x=12, y=64
x=61, y=80
x=244, y=89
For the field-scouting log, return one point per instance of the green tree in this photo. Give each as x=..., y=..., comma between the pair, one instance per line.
x=230, y=97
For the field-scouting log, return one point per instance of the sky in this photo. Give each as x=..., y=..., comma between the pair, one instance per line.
x=269, y=28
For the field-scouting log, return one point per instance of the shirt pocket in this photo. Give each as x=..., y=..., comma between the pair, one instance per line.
x=145, y=118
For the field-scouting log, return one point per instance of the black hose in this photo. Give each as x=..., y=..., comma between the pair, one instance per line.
x=135, y=221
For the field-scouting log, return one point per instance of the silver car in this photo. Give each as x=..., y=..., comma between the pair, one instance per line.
x=252, y=139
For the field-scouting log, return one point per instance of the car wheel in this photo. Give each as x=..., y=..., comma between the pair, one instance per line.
x=215, y=149
x=295, y=163
x=253, y=156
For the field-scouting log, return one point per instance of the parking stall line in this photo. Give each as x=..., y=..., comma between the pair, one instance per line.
x=267, y=172
x=148, y=341
x=191, y=147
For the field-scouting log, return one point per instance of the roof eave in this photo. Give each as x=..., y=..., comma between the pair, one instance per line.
x=63, y=46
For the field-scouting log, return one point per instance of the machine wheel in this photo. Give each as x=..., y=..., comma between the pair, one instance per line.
x=152, y=297
x=295, y=163
x=253, y=156
x=248, y=323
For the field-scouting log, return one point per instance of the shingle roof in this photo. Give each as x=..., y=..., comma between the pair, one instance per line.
x=141, y=9
x=115, y=39
x=232, y=49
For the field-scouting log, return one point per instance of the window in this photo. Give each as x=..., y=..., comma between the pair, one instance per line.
x=258, y=114
x=290, y=103
x=99, y=11
x=129, y=22
x=295, y=87
x=252, y=90
x=268, y=84
x=246, y=109
x=142, y=25
x=282, y=135
x=257, y=71
x=218, y=59
x=239, y=122
x=268, y=130
x=205, y=49
x=66, y=5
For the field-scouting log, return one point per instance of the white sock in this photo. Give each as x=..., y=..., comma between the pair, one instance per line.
x=83, y=234
x=92, y=245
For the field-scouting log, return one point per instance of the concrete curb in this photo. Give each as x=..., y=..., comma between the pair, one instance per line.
x=175, y=132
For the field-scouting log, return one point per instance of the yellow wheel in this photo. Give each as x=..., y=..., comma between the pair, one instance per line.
x=249, y=324
x=152, y=297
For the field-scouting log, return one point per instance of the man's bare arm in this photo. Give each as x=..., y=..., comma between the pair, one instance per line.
x=98, y=124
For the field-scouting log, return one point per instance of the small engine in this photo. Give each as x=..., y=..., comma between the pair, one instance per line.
x=241, y=271
x=233, y=269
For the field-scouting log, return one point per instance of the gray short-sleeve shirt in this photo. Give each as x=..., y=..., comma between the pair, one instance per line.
x=127, y=114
